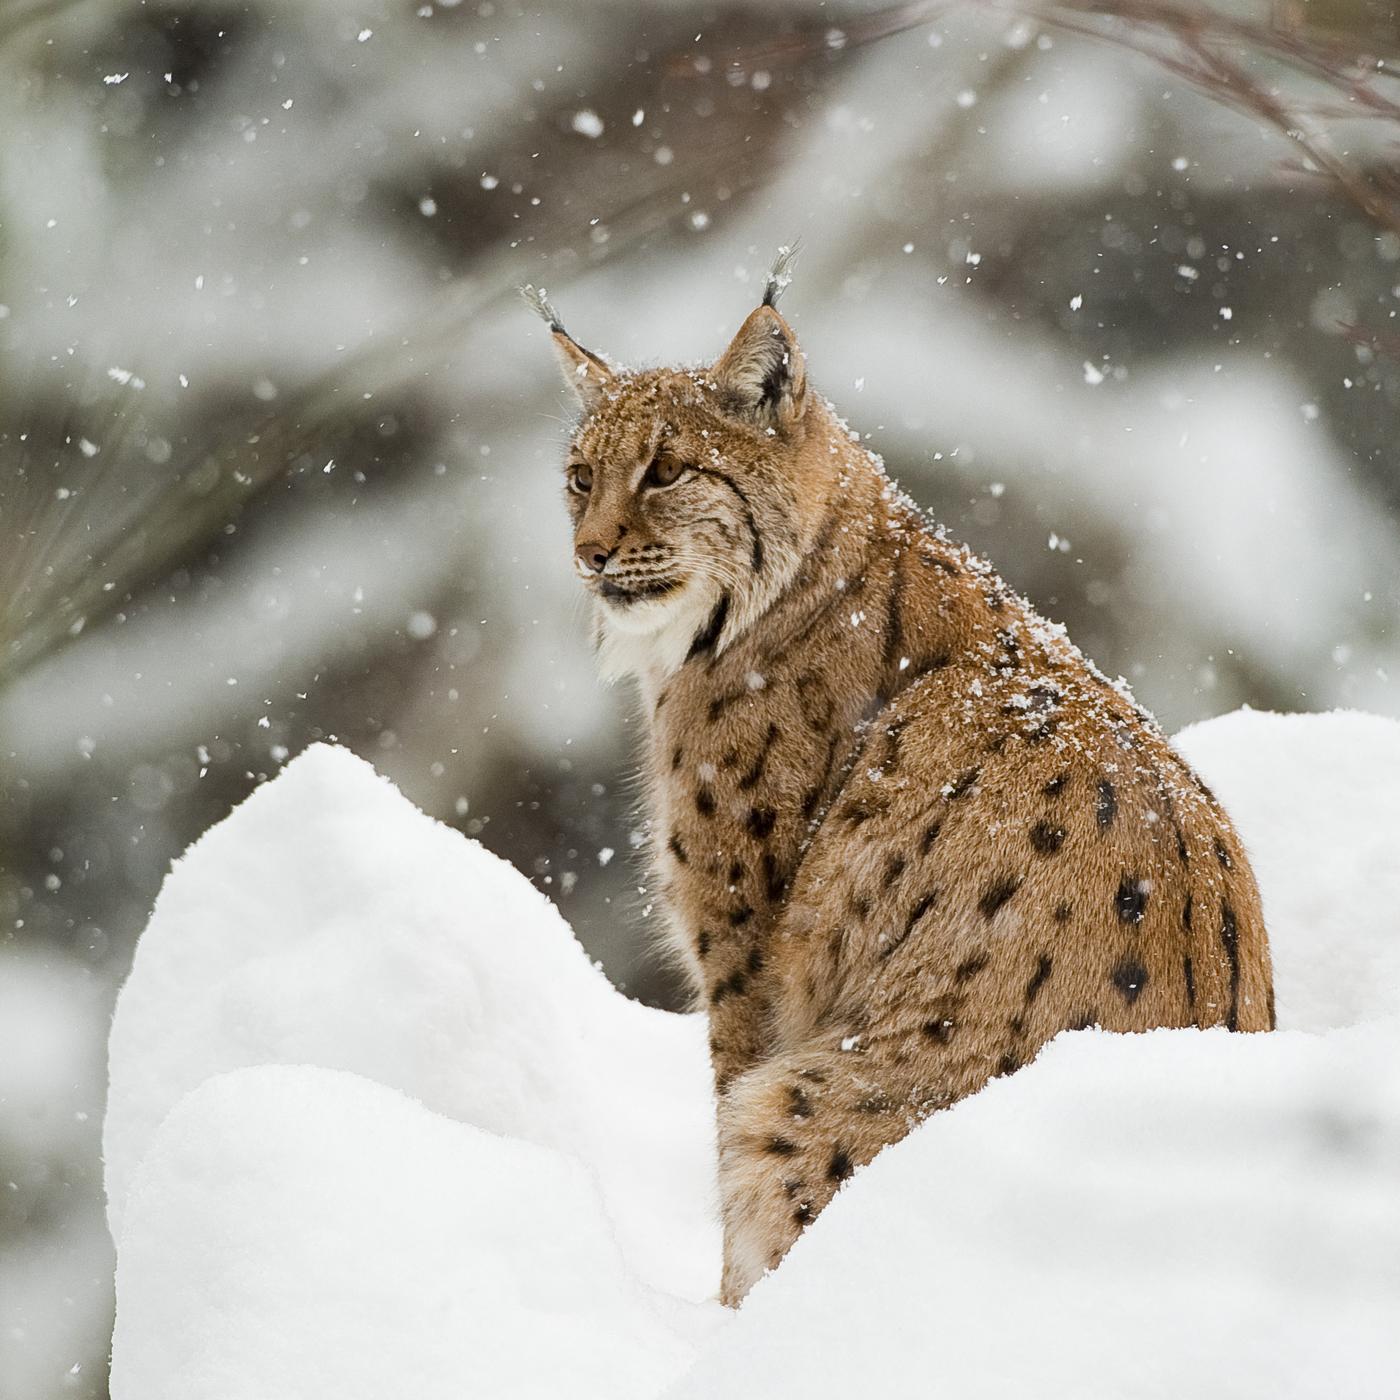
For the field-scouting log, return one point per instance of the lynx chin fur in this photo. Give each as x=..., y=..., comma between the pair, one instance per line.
x=904, y=831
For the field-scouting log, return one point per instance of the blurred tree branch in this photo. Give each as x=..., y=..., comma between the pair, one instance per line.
x=1299, y=69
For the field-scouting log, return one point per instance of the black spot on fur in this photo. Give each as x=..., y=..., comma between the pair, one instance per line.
x=1083, y=1021
x=940, y=1029
x=1038, y=977
x=702, y=944
x=774, y=885
x=755, y=963
x=930, y=836
x=1056, y=785
x=673, y=845
x=920, y=909
x=1106, y=807
x=997, y=895
x=722, y=702
x=741, y=916
x=1009, y=1063
x=799, y=1105
x=1063, y=910
x=970, y=967
x=735, y=985
x=761, y=821
x=1230, y=940
x=1046, y=838
x=813, y=798
x=1186, y=911
x=803, y=1214
x=1129, y=977
x=1131, y=900
x=861, y=907
x=1188, y=972
x=894, y=623
x=752, y=778
x=841, y=1166
x=736, y=873
x=704, y=801
x=1222, y=854
x=676, y=757
x=964, y=784
x=894, y=868
x=781, y=1147
x=1183, y=855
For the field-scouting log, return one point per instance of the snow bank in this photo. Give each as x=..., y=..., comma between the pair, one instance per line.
x=1168, y=1215
x=1317, y=802
x=1180, y=1213
x=348, y=1243
x=328, y=922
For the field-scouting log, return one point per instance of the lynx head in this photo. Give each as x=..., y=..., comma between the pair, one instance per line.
x=692, y=491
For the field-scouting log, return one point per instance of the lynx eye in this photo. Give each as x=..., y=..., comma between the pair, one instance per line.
x=665, y=470
x=580, y=477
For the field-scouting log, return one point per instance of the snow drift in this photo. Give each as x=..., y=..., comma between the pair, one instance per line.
x=377, y=1127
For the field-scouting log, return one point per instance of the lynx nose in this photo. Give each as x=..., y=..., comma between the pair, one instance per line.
x=592, y=557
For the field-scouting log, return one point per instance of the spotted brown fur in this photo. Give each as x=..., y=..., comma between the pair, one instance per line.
x=908, y=832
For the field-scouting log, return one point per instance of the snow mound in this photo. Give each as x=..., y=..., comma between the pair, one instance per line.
x=1317, y=802
x=351, y=1244
x=1166, y=1215
x=1179, y=1213
x=329, y=922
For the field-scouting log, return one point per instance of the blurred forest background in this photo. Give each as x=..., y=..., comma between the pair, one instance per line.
x=1112, y=286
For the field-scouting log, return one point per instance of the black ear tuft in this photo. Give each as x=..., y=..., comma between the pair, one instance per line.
x=586, y=374
x=780, y=274
x=537, y=299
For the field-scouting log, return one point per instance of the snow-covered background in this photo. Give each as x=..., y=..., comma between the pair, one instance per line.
x=278, y=449
x=377, y=1127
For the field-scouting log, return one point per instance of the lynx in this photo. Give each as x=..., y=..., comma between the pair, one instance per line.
x=904, y=832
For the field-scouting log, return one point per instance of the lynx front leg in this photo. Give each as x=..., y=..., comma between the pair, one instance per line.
x=790, y=1131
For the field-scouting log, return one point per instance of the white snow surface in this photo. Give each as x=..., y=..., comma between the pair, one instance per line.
x=329, y=922
x=376, y=1127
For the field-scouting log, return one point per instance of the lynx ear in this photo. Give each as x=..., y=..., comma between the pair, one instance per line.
x=762, y=376
x=584, y=372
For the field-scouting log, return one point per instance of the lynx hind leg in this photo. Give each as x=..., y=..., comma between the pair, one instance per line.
x=790, y=1132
